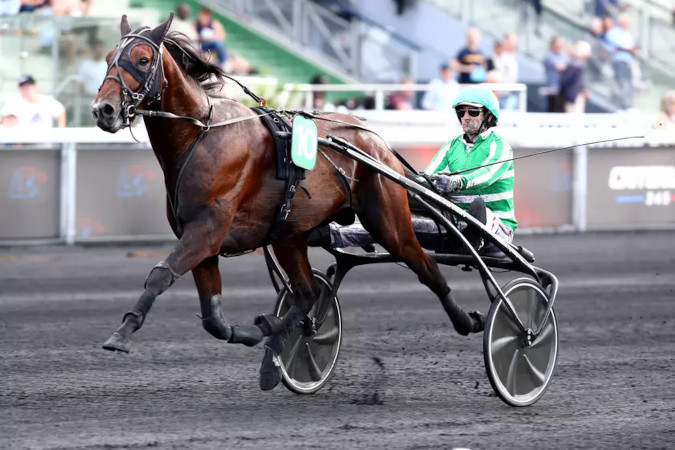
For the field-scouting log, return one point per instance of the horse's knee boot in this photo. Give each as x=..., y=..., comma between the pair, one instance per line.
x=216, y=324
x=463, y=322
x=248, y=335
x=160, y=278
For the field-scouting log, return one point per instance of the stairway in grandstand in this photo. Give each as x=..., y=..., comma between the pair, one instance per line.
x=261, y=51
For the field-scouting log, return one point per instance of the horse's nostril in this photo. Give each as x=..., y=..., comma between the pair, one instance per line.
x=108, y=110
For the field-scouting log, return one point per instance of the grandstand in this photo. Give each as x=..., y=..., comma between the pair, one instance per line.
x=366, y=52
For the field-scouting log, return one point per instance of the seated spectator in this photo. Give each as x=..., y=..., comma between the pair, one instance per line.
x=442, y=91
x=211, y=35
x=665, y=120
x=182, y=24
x=238, y=65
x=32, y=108
x=32, y=5
x=573, y=79
x=403, y=99
x=470, y=62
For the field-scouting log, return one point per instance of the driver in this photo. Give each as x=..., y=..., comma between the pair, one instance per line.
x=485, y=190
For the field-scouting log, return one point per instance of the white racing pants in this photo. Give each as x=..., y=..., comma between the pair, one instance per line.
x=425, y=229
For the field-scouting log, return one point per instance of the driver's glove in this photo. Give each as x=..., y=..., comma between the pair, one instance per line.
x=447, y=184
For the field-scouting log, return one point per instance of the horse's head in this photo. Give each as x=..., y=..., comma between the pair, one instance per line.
x=135, y=76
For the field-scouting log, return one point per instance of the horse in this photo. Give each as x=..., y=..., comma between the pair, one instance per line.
x=223, y=195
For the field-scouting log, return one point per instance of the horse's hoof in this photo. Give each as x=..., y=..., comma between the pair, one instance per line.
x=479, y=320
x=116, y=343
x=270, y=373
x=465, y=324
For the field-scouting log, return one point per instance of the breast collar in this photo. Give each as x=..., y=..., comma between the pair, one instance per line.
x=150, y=80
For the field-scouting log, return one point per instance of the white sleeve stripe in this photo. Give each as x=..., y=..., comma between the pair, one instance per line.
x=503, y=155
x=486, y=197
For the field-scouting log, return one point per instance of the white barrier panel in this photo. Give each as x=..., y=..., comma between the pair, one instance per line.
x=91, y=185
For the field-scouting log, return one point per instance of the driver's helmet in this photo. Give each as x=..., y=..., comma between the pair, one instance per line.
x=478, y=96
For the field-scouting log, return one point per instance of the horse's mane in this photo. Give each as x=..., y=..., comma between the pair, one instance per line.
x=207, y=75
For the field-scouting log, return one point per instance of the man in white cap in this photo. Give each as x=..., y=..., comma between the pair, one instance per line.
x=34, y=109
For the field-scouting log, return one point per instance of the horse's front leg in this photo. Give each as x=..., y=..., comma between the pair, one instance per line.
x=199, y=241
x=292, y=256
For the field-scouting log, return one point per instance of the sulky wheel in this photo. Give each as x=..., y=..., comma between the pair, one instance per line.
x=520, y=373
x=309, y=354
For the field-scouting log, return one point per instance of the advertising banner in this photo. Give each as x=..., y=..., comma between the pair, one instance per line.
x=543, y=184
x=631, y=187
x=120, y=192
x=30, y=193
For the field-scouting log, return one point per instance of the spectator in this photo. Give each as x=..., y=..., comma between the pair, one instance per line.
x=442, y=91
x=607, y=8
x=403, y=99
x=92, y=70
x=665, y=120
x=34, y=109
x=598, y=65
x=470, y=62
x=573, y=79
x=621, y=45
x=555, y=63
x=319, y=100
x=524, y=14
x=238, y=65
x=211, y=35
x=182, y=24
x=32, y=5
x=9, y=7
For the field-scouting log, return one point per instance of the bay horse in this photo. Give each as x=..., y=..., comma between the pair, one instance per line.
x=222, y=193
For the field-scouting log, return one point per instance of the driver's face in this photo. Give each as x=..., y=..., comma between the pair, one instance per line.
x=470, y=125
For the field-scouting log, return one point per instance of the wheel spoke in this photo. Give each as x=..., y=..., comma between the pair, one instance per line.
x=314, y=370
x=503, y=342
x=534, y=371
x=510, y=383
x=328, y=337
x=291, y=358
x=545, y=335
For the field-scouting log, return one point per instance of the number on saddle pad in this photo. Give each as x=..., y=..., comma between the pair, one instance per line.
x=304, y=142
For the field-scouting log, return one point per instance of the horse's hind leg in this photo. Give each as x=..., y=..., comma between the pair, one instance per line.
x=384, y=213
x=209, y=285
x=292, y=256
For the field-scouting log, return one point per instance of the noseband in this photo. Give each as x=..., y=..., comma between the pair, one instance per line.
x=150, y=81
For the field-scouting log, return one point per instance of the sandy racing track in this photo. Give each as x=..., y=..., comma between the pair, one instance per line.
x=404, y=378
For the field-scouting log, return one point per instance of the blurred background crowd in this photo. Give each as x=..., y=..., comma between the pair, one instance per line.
x=577, y=56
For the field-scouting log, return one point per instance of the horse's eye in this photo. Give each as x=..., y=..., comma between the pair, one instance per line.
x=144, y=61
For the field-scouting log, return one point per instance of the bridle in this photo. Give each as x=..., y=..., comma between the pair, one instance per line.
x=151, y=86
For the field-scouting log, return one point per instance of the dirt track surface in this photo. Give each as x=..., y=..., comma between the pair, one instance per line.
x=180, y=388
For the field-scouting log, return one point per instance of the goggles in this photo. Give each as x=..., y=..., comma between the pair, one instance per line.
x=473, y=112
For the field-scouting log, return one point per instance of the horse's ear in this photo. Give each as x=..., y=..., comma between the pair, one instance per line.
x=157, y=35
x=124, y=26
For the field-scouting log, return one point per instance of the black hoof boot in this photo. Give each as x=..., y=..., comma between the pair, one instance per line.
x=463, y=322
x=270, y=372
x=249, y=335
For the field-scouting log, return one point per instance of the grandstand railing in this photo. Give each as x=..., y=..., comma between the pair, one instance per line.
x=380, y=91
